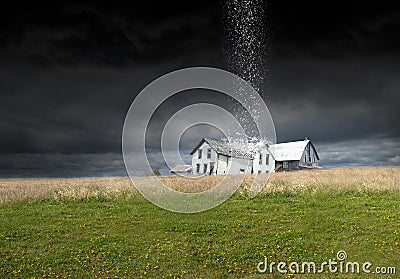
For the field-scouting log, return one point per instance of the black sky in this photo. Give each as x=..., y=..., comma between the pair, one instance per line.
x=70, y=70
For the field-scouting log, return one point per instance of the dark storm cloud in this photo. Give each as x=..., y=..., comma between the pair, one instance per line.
x=58, y=111
x=69, y=72
x=102, y=34
x=336, y=100
x=386, y=151
x=336, y=29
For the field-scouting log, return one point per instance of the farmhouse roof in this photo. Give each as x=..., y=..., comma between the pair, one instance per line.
x=290, y=151
x=287, y=151
x=228, y=149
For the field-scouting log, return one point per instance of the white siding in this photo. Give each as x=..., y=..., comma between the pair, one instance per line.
x=238, y=166
x=263, y=167
x=224, y=164
x=204, y=160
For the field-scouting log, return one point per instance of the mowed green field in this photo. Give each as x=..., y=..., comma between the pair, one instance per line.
x=122, y=235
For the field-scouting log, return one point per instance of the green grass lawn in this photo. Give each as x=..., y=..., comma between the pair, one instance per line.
x=126, y=236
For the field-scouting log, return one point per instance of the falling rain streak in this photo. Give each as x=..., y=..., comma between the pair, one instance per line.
x=246, y=41
x=246, y=50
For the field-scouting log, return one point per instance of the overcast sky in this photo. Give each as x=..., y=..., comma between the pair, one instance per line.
x=69, y=72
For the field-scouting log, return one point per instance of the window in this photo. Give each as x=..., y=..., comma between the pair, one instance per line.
x=198, y=168
x=208, y=153
x=260, y=160
x=205, y=168
x=200, y=151
x=267, y=160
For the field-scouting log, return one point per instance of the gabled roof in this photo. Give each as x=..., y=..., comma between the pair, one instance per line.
x=290, y=151
x=287, y=151
x=227, y=149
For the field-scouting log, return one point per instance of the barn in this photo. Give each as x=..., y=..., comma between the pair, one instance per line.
x=294, y=155
x=214, y=157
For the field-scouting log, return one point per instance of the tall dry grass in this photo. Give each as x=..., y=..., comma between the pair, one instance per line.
x=359, y=178
x=15, y=189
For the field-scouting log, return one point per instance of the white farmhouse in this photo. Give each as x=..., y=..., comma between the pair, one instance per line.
x=218, y=157
x=221, y=157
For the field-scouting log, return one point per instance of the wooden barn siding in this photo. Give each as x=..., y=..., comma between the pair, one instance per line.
x=304, y=159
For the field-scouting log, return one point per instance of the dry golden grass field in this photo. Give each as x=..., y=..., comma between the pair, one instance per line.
x=359, y=178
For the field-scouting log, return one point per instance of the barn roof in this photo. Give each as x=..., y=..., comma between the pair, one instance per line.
x=290, y=151
x=287, y=151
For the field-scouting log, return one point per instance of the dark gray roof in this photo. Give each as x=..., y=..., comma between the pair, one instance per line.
x=287, y=151
x=226, y=148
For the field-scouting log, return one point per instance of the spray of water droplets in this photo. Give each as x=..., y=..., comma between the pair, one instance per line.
x=247, y=51
x=246, y=42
